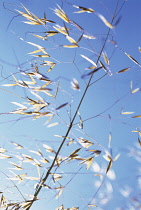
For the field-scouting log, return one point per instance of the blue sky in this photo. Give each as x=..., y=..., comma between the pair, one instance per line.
x=100, y=111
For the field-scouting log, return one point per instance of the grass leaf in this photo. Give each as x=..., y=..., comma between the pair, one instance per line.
x=105, y=21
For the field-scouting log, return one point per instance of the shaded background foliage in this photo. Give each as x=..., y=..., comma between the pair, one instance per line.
x=104, y=119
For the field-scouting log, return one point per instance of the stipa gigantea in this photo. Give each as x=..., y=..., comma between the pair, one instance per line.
x=43, y=100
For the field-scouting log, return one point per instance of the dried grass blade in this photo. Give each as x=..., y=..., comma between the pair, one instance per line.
x=60, y=13
x=137, y=116
x=42, y=56
x=74, y=153
x=133, y=59
x=102, y=65
x=71, y=40
x=135, y=90
x=92, y=72
x=32, y=22
x=70, y=46
x=75, y=84
x=123, y=70
x=89, y=60
x=105, y=21
x=83, y=9
x=61, y=106
x=139, y=141
x=40, y=37
x=88, y=162
x=88, y=37
x=109, y=166
x=60, y=192
x=106, y=58
x=127, y=112
x=60, y=30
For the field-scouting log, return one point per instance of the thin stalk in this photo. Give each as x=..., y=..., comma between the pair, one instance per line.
x=68, y=131
x=72, y=121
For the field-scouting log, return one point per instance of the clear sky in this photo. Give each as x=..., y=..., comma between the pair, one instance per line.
x=108, y=111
